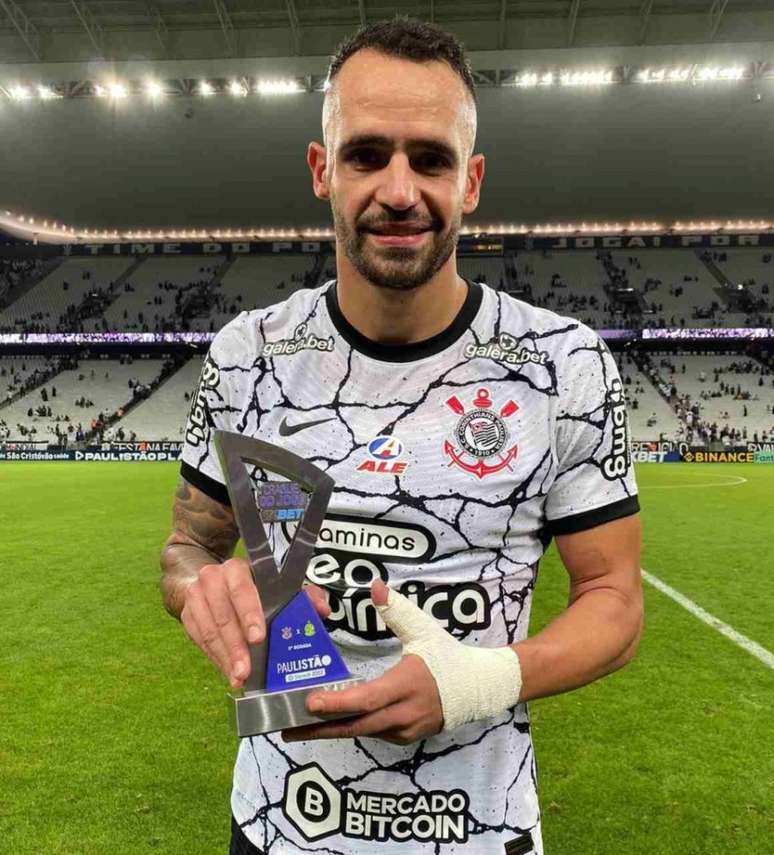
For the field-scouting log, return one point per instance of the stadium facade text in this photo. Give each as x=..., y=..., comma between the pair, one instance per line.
x=468, y=244
x=119, y=453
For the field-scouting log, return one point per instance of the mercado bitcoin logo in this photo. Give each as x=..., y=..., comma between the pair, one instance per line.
x=318, y=808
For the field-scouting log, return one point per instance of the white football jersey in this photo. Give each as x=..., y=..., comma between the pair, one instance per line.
x=455, y=461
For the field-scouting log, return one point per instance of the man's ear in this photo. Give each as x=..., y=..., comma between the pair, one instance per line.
x=473, y=180
x=316, y=158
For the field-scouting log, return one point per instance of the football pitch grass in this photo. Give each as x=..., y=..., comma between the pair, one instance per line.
x=113, y=728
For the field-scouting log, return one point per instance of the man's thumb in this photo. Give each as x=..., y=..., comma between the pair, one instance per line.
x=379, y=593
x=402, y=616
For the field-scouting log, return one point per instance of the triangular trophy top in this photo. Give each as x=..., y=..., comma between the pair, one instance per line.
x=276, y=586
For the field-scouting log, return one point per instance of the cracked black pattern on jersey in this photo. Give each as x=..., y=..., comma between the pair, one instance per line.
x=488, y=531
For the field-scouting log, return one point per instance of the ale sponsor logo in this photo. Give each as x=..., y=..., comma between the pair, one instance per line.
x=383, y=454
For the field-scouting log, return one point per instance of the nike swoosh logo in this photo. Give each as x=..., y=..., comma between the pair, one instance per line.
x=288, y=430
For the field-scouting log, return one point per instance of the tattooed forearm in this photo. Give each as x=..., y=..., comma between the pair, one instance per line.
x=204, y=521
x=205, y=532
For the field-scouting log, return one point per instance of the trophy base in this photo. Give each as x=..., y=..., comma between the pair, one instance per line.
x=267, y=712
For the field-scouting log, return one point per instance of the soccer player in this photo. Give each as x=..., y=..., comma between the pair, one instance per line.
x=464, y=429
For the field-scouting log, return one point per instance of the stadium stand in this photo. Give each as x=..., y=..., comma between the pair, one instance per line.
x=85, y=393
x=483, y=269
x=205, y=292
x=152, y=297
x=751, y=272
x=45, y=306
x=569, y=283
x=650, y=415
x=259, y=281
x=723, y=396
x=162, y=416
x=15, y=271
x=676, y=288
x=156, y=294
x=18, y=374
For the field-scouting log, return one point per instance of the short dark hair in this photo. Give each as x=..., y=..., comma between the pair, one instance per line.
x=407, y=38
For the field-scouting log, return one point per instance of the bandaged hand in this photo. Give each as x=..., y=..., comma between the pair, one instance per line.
x=473, y=682
x=439, y=683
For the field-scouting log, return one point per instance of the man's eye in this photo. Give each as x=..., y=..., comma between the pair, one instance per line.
x=365, y=157
x=430, y=161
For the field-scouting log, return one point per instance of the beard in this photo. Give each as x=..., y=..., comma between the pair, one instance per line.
x=399, y=268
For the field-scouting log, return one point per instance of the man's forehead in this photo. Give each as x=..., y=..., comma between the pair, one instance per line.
x=399, y=98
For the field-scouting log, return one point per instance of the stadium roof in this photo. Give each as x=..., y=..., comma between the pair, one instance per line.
x=76, y=30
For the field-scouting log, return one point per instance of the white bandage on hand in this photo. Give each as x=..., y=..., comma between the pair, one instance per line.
x=473, y=682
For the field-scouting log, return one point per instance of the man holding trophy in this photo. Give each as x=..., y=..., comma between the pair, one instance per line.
x=404, y=444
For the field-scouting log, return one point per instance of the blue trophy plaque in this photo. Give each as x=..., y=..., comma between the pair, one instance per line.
x=297, y=654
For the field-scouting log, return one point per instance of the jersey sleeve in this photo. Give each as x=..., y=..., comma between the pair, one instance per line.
x=214, y=407
x=595, y=480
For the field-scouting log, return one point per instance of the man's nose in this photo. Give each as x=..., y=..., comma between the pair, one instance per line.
x=397, y=188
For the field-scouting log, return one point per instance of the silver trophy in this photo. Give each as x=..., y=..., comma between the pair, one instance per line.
x=297, y=656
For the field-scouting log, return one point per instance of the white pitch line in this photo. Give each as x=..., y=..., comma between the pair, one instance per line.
x=752, y=647
x=738, y=480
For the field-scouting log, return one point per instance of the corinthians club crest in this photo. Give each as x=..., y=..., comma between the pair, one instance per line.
x=481, y=434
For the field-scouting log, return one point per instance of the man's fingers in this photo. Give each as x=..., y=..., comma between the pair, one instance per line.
x=365, y=698
x=319, y=598
x=209, y=637
x=387, y=723
x=226, y=621
x=245, y=599
x=192, y=629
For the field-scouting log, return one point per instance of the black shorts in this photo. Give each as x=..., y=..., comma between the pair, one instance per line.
x=240, y=845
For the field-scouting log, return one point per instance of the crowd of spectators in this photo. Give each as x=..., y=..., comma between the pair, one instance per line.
x=153, y=318
x=18, y=382
x=695, y=428
x=70, y=320
x=103, y=427
x=16, y=270
x=62, y=428
x=202, y=297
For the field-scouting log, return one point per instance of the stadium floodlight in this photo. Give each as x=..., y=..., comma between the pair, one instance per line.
x=735, y=72
x=46, y=93
x=19, y=93
x=277, y=87
x=237, y=88
x=206, y=88
x=683, y=74
x=527, y=79
x=117, y=90
x=714, y=72
x=708, y=73
x=679, y=75
x=586, y=78
x=154, y=89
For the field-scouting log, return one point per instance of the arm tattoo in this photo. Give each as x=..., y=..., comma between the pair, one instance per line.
x=205, y=532
x=204, y=521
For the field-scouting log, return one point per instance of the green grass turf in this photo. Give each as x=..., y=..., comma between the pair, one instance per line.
x=113, y=733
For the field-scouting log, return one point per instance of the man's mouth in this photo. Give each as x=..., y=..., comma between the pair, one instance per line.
x=399, y=234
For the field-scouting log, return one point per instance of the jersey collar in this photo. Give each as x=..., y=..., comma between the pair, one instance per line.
x=405, y=352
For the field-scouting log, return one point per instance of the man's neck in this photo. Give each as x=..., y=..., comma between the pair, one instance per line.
x=391, y=316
